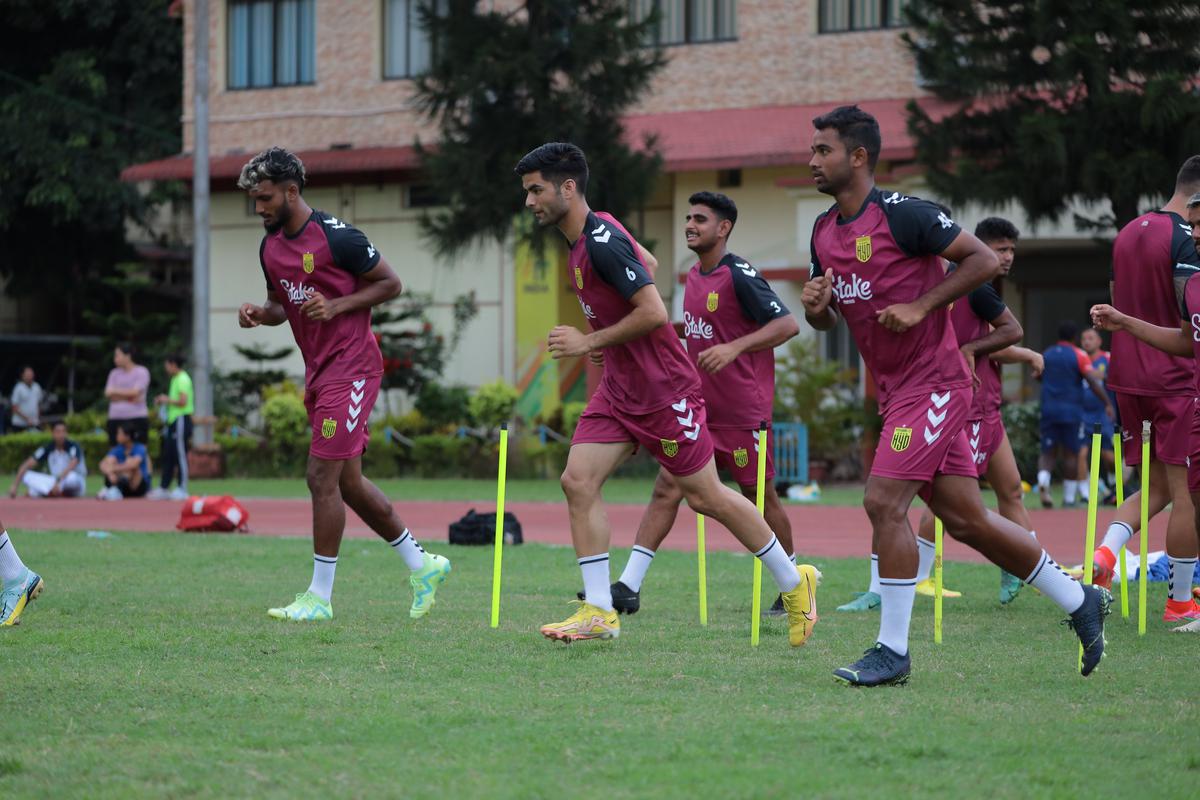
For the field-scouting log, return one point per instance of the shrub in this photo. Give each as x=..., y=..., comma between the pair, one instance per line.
x=1022, y=421
x=493, y=403
x=285, y=417
x=444, y=406
x=571, y=413
x=822, y=395
x=440, y=456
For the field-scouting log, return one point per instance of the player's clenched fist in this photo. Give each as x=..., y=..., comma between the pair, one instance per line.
x=901, y=317
x=816, y=295
x=250, y=315
x=1107, y=318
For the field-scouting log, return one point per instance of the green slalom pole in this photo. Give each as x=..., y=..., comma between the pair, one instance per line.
x=1120, y=488
x=1093, y=500
x=937, y=580
x=700, y=559
x=1144, y=540
x=498, y=557
x=761, y=501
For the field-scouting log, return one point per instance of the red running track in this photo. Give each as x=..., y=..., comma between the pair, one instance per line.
x=830, y=531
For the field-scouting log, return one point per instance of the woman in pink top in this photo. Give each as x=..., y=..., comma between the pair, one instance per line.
x=128, y=383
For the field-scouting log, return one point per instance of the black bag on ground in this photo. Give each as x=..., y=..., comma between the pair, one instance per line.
x=481, y=529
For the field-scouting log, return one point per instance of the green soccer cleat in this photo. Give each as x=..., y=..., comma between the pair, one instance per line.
x=863, y=601
x=15, y=595
x=307, y=607
x=1010, y=587
x=425, y=582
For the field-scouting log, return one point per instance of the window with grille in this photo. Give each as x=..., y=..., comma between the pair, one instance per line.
x=688, y=21
x=271, y=43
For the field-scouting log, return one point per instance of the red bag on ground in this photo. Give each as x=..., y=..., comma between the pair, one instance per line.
x=222, y=514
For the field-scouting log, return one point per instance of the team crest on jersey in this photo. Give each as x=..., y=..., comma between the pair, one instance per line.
x=901, y=438
x=713, y=297
x=741, y=457
x=579, y=278
x=329, y=428
x=309, y=264
x=862, y=248
x=670, y=447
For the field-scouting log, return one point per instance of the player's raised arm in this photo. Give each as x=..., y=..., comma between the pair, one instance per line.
x=1021, y=355
x=1176, y=341
x=977, y=265
x=376, y=286
x=648, y=313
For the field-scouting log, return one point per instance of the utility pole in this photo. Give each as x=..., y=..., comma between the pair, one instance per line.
x=202, y=358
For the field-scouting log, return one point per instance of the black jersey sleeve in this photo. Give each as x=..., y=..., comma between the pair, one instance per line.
x=262, y=263
x=613, y=258
x=1185, y=259
x=350, y=248
x=814, y=263
x=918, y=226
x=756, y=297
x=986, y=303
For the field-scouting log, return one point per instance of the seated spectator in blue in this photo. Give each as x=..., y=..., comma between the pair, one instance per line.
x=60, y=470
x=1067, y=369
x=126, y=468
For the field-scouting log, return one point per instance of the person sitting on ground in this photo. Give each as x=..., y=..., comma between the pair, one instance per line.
x=62, y=470
x=126, y=468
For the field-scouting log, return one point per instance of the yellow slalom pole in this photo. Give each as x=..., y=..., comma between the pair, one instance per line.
x=1144, y=541
x=937, y=580
x=760, y=501
x=1093, y=500
x=1120, y=488
x=703, y=570
x=498, y=556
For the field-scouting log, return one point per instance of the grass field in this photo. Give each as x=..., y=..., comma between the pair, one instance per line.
x=149, y=669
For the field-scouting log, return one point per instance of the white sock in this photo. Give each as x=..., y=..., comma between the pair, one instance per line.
x=1084, y=490
x=873, y=588
x=925, y=553
x=793, y=558
x=1179, y=578
x=414, y=554
x=896, y=612
x=636, y=566
x=322, y=581
x=1049, y=579
x=783, y=569
x=1116, y=536
x=11, y=567
x=596, y=589
x=1043, y=478
x=1070, y=488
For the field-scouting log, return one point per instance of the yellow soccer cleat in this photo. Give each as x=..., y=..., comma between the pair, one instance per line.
x=801, y=605
x=589, y=622
x=925, y=588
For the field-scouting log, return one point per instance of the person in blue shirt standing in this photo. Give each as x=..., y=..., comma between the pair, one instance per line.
x=1093, y=415
x=1062, y=412
x=126, y=468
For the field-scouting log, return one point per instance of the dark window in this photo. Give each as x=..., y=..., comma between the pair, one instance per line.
x=688, y=21
x=272, y=43
x=729, y=178
x=860, y=15
x=407, y=48
x=422, y=195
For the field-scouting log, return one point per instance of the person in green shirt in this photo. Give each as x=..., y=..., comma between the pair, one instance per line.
x=176, y=407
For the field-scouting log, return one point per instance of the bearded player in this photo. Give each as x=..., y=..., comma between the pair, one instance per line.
x=877, y=261
x=732, y=321
x=323, y=278
x=649, y=395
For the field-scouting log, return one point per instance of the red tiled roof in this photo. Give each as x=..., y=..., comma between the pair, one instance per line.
x=766, y=136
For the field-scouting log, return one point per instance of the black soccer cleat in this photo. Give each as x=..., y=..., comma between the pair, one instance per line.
x=879, y=666
x=1088, y=624
x=625, y=600
x=776, y=609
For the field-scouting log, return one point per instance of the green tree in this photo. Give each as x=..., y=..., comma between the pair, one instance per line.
x=86, y=88
x=503, y=82
x=1056, y=101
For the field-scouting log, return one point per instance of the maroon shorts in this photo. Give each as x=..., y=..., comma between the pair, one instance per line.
x=1171, y=422
x=984, y=436
x=337, y=413
x=1193, y=460
x=737, y=453
x=925, y=435
x=676, y=435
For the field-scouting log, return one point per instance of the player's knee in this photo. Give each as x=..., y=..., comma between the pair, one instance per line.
x=882, y=511
x=666, y=493
x=319, y=480
x=576, y=486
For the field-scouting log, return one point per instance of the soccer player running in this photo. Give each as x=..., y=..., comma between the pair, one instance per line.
x=19, y=585
x=732, y=321
x=877, y=261
x=1151, y=257
x=1067, y=370
x=649, y=395
x=323, y=277
x=1180, y=341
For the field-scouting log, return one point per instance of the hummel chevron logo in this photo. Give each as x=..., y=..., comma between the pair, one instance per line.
x=930, y=438
x=975, y=428
x=685, y=421
x=351, y=425
x=681, y=406
x=693, y=433
x=355, y=411
x=356, y=397
x=746, y=269
x=601, y=234
x=974, y=444
x=935, y=419
x=360, y=383
x=940, y=400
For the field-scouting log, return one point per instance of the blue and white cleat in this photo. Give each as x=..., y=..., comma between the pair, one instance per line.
x=16, y=594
